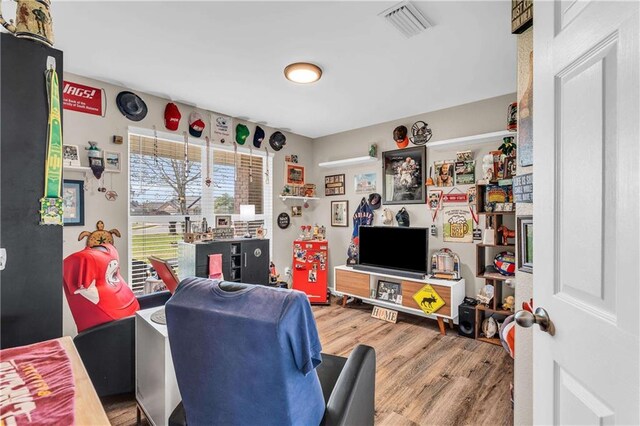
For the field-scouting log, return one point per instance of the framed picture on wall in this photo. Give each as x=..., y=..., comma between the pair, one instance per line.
x=294, y=174
x=73, y=202
x=340, y=213
x=364, y=183
x=70, y=155
x=525, y=239
x=403, y=176
x=334, y=185
x=112, y=161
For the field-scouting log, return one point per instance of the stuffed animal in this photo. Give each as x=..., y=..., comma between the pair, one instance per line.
x=509, y=303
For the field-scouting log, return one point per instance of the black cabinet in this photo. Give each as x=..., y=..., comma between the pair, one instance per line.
x=31, y=284
x=243, y=260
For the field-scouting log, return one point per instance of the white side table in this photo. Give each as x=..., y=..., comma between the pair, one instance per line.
x=157, y=391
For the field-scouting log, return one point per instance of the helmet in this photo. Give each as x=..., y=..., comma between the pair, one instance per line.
x=505, y=263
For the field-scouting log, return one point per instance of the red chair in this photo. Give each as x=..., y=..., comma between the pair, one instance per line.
x=165, y=273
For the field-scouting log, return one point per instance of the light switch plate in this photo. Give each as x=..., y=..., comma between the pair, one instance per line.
x=3, y=258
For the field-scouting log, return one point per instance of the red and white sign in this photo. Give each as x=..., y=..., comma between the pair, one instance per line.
x=454, y=198
x=78, y=97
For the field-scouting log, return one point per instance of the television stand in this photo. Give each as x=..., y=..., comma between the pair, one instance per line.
x=360, y=284
x=397, y=273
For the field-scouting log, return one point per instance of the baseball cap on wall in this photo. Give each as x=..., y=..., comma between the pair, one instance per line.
x=387, y=217
x=131, y=106
x=258, y=137
x=375, y=200
x=403, y=217
x=242, y=133
x=400, y=136
x=196, y=124
x=172, y=116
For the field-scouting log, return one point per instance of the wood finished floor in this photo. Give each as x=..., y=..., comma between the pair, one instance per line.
x=422, y=378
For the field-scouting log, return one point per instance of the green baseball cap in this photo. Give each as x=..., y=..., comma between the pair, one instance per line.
x=242, y=133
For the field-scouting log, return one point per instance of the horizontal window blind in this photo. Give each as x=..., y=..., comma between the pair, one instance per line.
x=164, y=191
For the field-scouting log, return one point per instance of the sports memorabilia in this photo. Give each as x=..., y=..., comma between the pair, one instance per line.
x=196, y=124
x=242, y=133
x=277, y=140
x=222, y=126
x=172, y=116
x=375, y=200
x=400, y=136
x=420, y=133
x=131, y=106
x=505, y=263
x=51, y=209
x=402, y=217
x=258, y=137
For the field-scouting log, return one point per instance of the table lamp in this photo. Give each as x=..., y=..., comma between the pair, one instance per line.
x=247, y=213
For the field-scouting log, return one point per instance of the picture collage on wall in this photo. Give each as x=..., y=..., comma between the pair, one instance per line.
x=334, y=185
x=461, y=171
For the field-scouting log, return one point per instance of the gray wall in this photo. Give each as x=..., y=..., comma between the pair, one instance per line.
x=80, y=128
x=485, y=116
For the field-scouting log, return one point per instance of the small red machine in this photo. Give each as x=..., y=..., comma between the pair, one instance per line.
x=310, y=265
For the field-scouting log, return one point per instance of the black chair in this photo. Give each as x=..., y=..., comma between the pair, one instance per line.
x=108, y=350
x=348, y=386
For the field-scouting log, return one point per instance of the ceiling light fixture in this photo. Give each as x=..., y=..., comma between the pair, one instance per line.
x=303, y=72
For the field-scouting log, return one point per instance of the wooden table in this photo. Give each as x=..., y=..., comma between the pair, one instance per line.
x=89, y=410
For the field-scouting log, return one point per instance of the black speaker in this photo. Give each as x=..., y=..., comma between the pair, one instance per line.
x=467, y=320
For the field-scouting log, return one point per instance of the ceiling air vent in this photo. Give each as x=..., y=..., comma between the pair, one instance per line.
x=406, y=18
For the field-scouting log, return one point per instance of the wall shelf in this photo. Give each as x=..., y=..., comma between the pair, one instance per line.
x=355, y=161
x=469, y=142
x=295, y=197
x=84, y=169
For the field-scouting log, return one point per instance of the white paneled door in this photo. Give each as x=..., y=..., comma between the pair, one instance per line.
x=586, y=212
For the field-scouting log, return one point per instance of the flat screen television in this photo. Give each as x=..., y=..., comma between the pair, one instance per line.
x=401, y=250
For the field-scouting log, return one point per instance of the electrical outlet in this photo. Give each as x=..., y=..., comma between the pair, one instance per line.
x=287, y=271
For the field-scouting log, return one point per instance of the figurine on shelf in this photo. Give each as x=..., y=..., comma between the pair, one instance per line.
x=487, y=168
x=506, y=233
x=273, y=273
x=509, y=303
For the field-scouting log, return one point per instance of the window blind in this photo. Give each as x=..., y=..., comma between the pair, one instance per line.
x=164, y=190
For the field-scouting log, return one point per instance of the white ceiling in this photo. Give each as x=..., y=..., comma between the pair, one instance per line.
x=229, y=57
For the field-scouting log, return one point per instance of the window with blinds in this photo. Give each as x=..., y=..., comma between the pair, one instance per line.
x=167, y=184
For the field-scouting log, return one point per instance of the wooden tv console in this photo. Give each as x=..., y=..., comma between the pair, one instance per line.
x=363, y=285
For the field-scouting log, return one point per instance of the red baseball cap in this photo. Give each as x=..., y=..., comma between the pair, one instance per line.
x=172, y=116
x=196, y=124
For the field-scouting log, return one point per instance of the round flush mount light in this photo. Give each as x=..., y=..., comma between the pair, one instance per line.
x=303, y=72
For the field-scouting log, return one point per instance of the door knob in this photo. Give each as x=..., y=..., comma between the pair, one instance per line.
x=526, y=319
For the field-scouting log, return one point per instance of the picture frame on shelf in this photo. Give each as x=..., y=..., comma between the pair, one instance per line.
x=403, y=176
x=73, y=202
x=70, y=155
x=294, y=174
x=96, y=162
x=223, y=221
x=389, y=292
x=112, y=161
x=334, y=185
x=340, y=213
x=525, y=240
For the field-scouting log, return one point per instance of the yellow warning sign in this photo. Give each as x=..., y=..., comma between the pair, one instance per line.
x=428, y=300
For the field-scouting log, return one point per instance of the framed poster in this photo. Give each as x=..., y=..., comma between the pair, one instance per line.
x=457, y=225
x=340, y=213
x=364, y=182
x=334, y=185
x=403, y=176
x=525, y=240
x=73, y=202
x=294, y=174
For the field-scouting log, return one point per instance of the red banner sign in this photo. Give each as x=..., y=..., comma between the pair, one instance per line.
x=77, y=97
x=454, y=198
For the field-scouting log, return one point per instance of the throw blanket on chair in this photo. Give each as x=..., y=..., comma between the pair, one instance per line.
x=245, y=354
x=36, y=385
